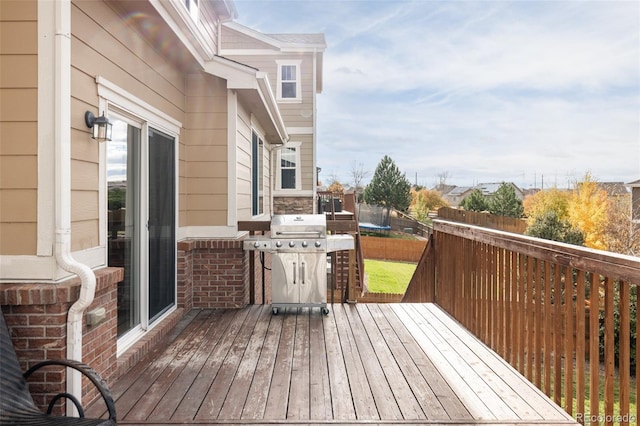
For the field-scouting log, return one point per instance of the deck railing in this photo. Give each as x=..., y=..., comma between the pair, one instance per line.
x=562, y=315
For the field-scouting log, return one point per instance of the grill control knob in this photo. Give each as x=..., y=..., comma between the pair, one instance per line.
x=292, y=244
x=304, y=244
x=318, y=244
x=278, y=244
x=256, y=244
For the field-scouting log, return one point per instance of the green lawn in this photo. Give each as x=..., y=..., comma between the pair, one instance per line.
x=388, y=277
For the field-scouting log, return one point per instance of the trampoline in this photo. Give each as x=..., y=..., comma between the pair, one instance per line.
x=373, y=218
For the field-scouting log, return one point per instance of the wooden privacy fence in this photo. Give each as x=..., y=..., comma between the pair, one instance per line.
x=392, y=249
x=549, y=309
x=487, y=220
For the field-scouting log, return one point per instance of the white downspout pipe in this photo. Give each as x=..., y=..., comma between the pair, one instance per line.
x=62, y=158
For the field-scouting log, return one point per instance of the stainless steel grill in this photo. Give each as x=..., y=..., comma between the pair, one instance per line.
x=299, y=245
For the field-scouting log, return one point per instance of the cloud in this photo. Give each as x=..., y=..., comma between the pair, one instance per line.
x=486, y=90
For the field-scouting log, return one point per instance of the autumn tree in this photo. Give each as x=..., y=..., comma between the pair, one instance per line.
x=588, y=207
x=541, y=202
x=423, y=201
x=505, y=203
x=621, y=234
x=388, y=187
x=476, y=202
x=335, y=187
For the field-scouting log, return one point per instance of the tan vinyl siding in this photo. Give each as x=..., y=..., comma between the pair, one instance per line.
x=235, y=40
x=104, y=44
x=205, y=153
x=18, y=127
x=306, y=160
x=291, y=111
x=209, y=23
x=243, y=164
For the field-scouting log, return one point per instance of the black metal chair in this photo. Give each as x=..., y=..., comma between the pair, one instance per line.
x=16, y=404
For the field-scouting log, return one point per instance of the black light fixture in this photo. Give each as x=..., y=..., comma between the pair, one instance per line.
x=100, y=126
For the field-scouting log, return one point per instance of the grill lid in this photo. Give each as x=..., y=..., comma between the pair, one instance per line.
x=299, y=226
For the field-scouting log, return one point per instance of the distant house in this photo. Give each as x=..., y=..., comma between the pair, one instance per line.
x=212, y=123
x=490, y=189
x=614, y=189
x=635, y=201
x=457, y=194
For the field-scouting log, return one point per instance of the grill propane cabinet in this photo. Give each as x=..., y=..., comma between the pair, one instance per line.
x=299, y=245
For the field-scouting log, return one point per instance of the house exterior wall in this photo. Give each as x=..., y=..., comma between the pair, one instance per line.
x=122, y=56
x=109, y=46
x=203, y=165
x=298, y=116
x=18, y=127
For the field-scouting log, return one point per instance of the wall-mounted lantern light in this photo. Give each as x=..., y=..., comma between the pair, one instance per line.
x=100, y=126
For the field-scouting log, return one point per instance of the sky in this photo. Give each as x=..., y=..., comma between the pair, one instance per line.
x=538, y=93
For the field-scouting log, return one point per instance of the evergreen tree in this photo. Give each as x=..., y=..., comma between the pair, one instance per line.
x=388, y=187
x=551, y=227
x=475, y=202
x=505, y=202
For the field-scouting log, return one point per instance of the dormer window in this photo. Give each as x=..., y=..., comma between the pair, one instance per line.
x=192, y=7
x=288, y=89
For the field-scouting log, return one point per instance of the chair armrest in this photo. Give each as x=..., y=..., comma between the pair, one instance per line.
x=88, y=372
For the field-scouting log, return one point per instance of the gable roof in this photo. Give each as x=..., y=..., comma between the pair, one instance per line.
x=613, y=188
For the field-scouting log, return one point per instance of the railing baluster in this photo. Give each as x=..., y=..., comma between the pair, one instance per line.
x=580, y=340
x=594, y=350
x=539, y=288
x=530, y=319
x=568, y=339
x=559, y=334
x=609, y=349
x=625, y=346
x=548, y=326
x=522, y=313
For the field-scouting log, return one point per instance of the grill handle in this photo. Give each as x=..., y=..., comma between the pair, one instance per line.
x=303, y=273
x=294, y=272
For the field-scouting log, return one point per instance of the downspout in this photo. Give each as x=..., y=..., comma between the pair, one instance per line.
x=62, y=159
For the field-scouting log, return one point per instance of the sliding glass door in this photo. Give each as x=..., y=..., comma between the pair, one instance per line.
x=141, y=180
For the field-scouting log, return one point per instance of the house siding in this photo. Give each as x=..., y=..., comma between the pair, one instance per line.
x=204, y=165
x=18, y=127
x=124, y=58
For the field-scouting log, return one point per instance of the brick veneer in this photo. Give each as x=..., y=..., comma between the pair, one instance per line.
x=217, y=272
x=293, y=205
x=36, y=314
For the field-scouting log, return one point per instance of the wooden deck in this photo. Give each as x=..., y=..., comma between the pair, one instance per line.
x=365, y=363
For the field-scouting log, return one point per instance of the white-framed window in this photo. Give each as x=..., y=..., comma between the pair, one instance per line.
x=289, y=167
x=257, y=174
x=289, y=89
x=193, y=8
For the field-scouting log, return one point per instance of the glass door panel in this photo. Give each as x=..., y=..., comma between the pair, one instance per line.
x=123, y=179
x=162, y=223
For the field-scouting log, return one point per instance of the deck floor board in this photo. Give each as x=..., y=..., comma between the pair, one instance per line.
x=365, y=363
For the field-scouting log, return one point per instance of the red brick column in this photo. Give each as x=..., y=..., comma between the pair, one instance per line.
x=217, y=271
x=36, y=314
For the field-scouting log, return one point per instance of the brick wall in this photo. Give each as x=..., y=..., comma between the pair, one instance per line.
x=36, y=314
x=217, y=271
